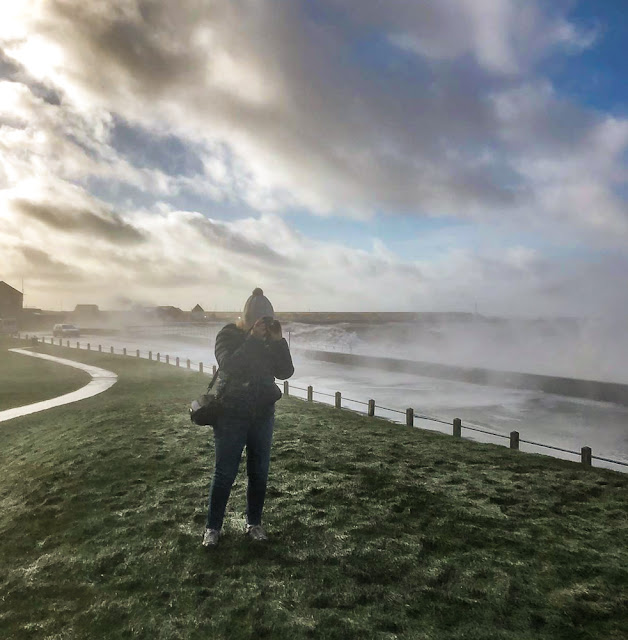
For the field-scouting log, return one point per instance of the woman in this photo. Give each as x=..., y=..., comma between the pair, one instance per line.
x=250, y=356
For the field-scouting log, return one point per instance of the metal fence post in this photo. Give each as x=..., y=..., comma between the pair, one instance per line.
x=338, y=401
x=286, y=388
x=310, y=393
x=158, y=357
x=111, y=349
x=514, y=439
x=188, y=363
x=177, y=361
x=200, y=367
x=137, y=353
x=89, y=346
x=585, y=456
x=167, y=359
x=100, y=348
x=371, y=410
x=457, y=427
x=150, y=355
x=409, y=417
x=124, y=351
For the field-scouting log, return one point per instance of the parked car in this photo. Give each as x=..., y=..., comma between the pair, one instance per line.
x=65, y=330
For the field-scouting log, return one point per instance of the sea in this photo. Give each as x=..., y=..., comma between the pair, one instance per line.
x=547, y=424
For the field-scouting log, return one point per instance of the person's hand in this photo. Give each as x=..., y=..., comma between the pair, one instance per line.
x=260, y=329
x=274, y=330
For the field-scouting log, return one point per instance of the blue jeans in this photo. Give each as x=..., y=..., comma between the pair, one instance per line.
x=231, y=435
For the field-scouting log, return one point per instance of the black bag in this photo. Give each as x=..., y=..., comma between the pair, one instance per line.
x=206, y=410
x=269, y=395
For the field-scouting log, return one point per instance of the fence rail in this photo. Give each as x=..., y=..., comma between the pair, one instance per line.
x=585, y=452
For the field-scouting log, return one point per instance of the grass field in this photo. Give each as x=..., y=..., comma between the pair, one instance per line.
x=24, y=380
x=377, y=530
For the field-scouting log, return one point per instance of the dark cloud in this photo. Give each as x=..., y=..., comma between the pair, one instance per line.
x=118, y=42
x=372, y=140
x=43, y=266
x=349, y=118
x=9, y=68
x=220, y=235
x=47, y=94
x=107, y=225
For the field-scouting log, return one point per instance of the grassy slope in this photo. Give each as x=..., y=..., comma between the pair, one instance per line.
x=24, y=380
x=378, y=531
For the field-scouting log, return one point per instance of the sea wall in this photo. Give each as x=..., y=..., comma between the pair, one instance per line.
x=572, y=387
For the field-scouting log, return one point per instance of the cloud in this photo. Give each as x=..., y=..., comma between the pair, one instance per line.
x=103, y=225
x=419, y=109
x=40, y=261
x=220, y=234
x=503, y=36
x=284, y=112
x=184, y=258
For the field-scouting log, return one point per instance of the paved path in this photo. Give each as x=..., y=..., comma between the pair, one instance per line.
x=101, y=381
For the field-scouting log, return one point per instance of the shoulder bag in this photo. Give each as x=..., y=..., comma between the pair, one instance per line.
x=206, y=410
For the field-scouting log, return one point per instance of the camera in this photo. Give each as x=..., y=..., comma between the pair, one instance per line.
x=270, y=322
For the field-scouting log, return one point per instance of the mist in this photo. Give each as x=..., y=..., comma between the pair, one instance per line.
x=590, y=349
x=581, y=348
x=486, y=399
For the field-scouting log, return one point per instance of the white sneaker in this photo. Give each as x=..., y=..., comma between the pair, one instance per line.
x=256, y=532
x=210, y=538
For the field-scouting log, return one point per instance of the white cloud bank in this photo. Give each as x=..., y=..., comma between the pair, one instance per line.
x=420, y=109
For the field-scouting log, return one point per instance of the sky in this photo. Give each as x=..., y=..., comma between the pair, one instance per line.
x=458, y=155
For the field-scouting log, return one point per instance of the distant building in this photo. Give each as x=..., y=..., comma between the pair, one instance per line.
x=87, y=309
x=34, y=319
x=198, y=313
x=169, y=313
x=11, y=302
x=86, y=315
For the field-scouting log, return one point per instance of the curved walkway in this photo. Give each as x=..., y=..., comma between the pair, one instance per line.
x=101, y=381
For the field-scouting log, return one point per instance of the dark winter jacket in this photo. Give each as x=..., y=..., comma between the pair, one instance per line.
x=248, y=368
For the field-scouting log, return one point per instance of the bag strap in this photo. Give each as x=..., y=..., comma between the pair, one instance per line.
x=211, y=384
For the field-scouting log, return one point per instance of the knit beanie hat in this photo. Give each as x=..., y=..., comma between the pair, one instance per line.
x=256, y=307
